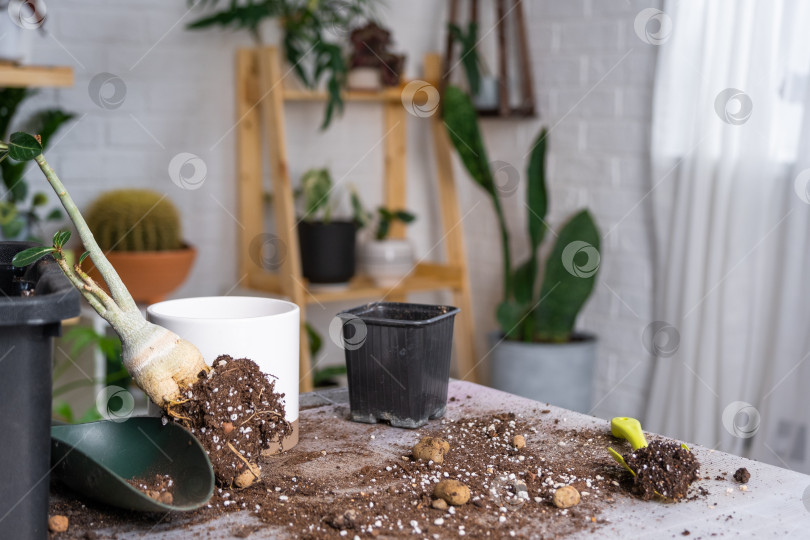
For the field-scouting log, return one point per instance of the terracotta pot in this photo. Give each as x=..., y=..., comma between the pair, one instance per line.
x=150, y=276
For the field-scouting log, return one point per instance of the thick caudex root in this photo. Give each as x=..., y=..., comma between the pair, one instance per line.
x=164, y=365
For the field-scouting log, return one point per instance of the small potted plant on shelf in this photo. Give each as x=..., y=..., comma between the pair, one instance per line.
x=328, y=245
x=372, y=64
x=387, y=261
x=141, y=233
x=21, y=213
x=537, y=353
x=484, y=86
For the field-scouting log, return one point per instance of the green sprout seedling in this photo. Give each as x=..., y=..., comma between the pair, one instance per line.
x=160, y=362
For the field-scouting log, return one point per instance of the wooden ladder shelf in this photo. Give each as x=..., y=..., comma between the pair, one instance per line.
x=260, y=96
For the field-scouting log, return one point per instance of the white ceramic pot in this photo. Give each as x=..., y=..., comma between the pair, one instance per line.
x=363, y=78
x=264, y=330
x=557, y=373
x=488, y=96
x=387, y=262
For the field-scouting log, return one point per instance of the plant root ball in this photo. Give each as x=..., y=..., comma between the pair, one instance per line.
x=251, y=473
x=58, y=524
x=566, y=497
x=235, y=413
x=452, y=491
x=431, y=449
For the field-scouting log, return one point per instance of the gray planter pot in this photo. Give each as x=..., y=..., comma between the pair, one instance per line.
x=557, y=373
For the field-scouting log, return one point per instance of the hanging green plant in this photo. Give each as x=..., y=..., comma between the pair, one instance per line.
x=310, y=29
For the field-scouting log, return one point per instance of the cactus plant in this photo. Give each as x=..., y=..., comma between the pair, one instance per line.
x=526, y=313
x=135, y=220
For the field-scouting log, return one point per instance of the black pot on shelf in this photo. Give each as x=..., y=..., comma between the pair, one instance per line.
x=34, y=301
x=398, y=361
x=327, y=250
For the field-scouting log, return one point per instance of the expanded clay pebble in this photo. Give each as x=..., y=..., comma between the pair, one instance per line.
x=431, y=449
x=248, y=476
x=439, y=504
x=566, y=497
x=58, y=524
x=519, y=441
x=452, y=491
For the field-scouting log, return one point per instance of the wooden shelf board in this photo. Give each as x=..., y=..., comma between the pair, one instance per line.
x=425, y=277
x=373, y=96
x=29, y=76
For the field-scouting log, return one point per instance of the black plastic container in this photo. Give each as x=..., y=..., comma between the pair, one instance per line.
x=398, y=361
x=327, y=250
x=28, y=324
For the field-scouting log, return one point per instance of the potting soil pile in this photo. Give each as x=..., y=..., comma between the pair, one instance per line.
x=236, y=413
x=159, y=487
x=345, y=480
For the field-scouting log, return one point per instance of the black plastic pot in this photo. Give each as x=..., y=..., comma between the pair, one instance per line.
x=327, y=250
x=28, y=324
x=398, y=361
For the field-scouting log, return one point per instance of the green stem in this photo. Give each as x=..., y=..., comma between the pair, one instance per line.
x=119, y=292
x=507, y=257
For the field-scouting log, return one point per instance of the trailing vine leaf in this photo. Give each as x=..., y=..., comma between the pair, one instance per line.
x=23, y=147
x=31, y=255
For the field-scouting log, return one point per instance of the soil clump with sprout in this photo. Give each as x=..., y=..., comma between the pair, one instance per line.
x=235, y=413
x=663, y=467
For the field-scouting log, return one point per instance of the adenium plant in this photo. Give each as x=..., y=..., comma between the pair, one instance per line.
x=160, y=362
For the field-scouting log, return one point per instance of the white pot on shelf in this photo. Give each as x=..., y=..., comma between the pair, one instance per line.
x=364, y=78
x=387, y=262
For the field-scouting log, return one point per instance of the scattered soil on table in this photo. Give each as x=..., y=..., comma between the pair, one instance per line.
x=742, y=475
x=663, y=467
x=511, y=490
x=159, y=487
x=235, y=413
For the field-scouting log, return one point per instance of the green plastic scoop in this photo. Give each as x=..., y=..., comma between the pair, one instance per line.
x=97, y=459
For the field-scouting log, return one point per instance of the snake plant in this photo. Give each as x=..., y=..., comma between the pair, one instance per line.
x=527, y=312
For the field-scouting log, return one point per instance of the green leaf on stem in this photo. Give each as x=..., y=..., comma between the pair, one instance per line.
x=23, y=147
x=60, y=238
x=83, y=257
x=31, y=255
x=54, y=215
x=39, y=199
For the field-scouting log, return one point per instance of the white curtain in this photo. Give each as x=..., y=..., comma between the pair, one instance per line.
x=731, y=205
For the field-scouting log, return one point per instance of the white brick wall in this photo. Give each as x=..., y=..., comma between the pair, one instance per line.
x=593, y=79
